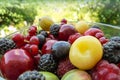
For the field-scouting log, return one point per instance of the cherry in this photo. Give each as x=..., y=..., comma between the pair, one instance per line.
x=27, y=47
x=32, y=30
x=34, y=40
x=34, y=50
x=63, y=21
x=46, y=48
x=18, y=39
x=65, y=31
x=27, y=37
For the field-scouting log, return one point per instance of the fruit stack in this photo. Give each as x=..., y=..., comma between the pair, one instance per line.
x=60, y=51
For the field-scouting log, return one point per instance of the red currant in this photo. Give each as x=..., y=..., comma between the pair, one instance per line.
x=34, y=40
x=34, y=50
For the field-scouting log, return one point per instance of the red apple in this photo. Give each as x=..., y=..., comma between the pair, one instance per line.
x=47, y=46
x=65, y=31
x=15, y=62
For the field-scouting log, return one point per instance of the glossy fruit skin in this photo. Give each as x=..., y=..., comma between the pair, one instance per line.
x=76, y=74
x=81, y=26
x=60, y=49
x=49, y=75
x=47, y=46
x=85, y=52
x=45, y=23
x=15, y=62
x=65, y=31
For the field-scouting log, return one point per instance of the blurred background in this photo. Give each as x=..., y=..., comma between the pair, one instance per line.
x=16, y=14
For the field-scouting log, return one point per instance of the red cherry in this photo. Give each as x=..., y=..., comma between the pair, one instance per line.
x=65, y=31
x=118, y=65
x=46, y=48
x=73, y=37
x=15, y=62
x=34, y=50
x=63, y=21
x=18, y=39
x=27, y=47
x=32, y=30
x=34, y=40
x=27, y=38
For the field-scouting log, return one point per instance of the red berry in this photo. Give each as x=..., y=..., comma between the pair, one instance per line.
x=92, y=31
x=34, y=40
x=18, y=39
x=103, y=40
x=64, y=66
x=64, y=21
x=27, y=37
x=99, y=35
x=118, y=65
x=106, y=71
x=34, y=50
x=27, y=47
x=32, y=30
x=73, y=37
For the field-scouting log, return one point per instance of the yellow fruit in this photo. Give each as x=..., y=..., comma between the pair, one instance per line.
x=81, y=26
x=45, y=23
x=85, y=52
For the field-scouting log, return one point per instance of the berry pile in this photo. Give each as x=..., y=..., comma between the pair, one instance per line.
x=60, y=51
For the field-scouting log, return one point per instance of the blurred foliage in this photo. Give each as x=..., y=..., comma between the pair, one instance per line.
x=18, y=11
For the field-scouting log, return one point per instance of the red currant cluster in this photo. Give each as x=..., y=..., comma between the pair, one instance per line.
x=97, y=33
x=29, y=42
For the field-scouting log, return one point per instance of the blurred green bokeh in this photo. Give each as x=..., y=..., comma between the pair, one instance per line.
x=21, y=13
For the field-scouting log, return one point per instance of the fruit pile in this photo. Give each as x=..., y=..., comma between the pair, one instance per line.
x=60, y=51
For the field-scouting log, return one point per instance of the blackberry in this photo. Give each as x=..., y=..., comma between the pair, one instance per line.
x=31, y=75
x=54, y=29
x=6, y=44
x=44, y=33
x=115, y=38
x=112, y=52
x=47, y=63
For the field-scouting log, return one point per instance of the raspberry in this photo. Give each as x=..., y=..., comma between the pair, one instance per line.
x=106, y=71
x=64, y=66
x=73, y=37
x=96, y=32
